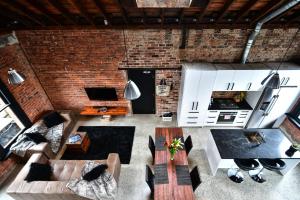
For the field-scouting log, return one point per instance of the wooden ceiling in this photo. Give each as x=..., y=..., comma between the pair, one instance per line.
x=32, y=14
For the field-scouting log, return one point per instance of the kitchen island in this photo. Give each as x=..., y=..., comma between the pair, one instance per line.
x=224, y=145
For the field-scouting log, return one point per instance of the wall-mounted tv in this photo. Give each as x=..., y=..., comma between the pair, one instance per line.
x=102, y=94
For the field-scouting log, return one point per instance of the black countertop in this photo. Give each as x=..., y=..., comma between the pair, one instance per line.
x=232, y=143
x=243, y=105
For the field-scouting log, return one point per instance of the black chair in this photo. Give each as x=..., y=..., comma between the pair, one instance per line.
x=188, y=144
x=270, y=164
x=151, y=146
x=195, y=177
x=150, y=179
x=244, y=164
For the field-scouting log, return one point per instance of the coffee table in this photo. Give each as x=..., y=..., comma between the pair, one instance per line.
x=80, y=146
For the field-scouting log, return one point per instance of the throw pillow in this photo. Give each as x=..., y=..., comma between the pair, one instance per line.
x=36, y=137
x=54, y=136
x=95, y=172
x=39, y=172
x=53, y=119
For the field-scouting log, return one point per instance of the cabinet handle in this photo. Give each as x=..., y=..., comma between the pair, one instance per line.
x=191, y=122
x=212, y=117
x=193, y=106
x=213, y=111
x=232, y=86
x=250, y=84
x=282, y=81
x=228, y=86
x=287, y=80
x=197, y=105
x=192, y=117
x=194, y=112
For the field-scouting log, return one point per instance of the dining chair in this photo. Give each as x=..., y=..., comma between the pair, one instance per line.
x=150, y=179
x=151, y=146
x=188, y=144
x=195, y=177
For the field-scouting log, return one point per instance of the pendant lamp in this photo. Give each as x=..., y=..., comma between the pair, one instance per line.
x=14, y=77
x=272, y=81
x=131, y=91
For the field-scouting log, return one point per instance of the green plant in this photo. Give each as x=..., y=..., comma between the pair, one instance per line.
x=175, y=146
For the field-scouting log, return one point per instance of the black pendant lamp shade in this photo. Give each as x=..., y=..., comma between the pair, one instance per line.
x=131, y=91
x=14, y=77
x=272, y=81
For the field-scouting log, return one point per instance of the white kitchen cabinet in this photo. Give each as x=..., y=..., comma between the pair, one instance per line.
x=257, y=77
x=242, y=80
x=195, y=93
x=225, y=75
x=289, y=73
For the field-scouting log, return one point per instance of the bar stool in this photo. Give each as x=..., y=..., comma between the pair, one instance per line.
x=244, y=164
x=270, y=164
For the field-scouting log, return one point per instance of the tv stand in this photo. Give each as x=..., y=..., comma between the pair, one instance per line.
x=111, y=111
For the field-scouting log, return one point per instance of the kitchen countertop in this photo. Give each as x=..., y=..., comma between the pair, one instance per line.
x=232, y=143
x=241, y=106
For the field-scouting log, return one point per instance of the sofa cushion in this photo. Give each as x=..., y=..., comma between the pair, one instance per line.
x=36, y=137
x=95, y=172
x=53, y=119
x=39, y=172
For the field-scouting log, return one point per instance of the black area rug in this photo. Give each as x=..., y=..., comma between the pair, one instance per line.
x=105, y=140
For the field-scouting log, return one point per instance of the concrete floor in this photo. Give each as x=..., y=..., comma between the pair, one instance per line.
x=132, y=184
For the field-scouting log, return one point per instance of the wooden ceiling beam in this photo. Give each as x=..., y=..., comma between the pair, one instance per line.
x=201, y=15
x=293, y=17
x=83, y=12
x=40, y=6
x=64, y=12
x=245, y=10
x=102, y=10
x=181, y=15
x=266, y=10
x=13, y=16
x=22, y=10
x=123, y=11
x=224, y=10
x=162, y=16
x=144, y=16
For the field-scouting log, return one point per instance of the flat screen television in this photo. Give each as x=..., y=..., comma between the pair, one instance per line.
x=102, y=94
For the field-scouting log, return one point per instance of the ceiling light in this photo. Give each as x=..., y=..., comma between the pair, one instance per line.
x=14, y=77
x=131, y=91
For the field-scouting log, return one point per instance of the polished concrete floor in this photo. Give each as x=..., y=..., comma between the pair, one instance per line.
x=132, y=184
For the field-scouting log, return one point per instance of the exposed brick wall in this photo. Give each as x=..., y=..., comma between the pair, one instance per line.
x=66, y=61
x=30, y=95
x=291, y=129
x=169, y=103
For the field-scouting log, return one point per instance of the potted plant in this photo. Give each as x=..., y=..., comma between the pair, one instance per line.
x=175, y=146
x=293, y=148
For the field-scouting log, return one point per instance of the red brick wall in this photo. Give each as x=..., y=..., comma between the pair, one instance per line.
x=30, y=95
x=66, y=61
x=168, y=103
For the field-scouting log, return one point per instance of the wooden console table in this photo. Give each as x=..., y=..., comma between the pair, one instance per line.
x=111, y=111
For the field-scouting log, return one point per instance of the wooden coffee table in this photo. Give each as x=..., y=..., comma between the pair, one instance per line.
x=81, y=146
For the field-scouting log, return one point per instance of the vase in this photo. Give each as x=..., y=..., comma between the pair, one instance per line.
x=172, y=156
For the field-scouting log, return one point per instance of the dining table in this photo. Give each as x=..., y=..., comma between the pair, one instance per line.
x=172, y=178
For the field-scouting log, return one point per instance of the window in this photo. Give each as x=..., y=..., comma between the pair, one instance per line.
x=10, y=125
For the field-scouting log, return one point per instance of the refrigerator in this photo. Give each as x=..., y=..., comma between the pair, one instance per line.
x=271, y=105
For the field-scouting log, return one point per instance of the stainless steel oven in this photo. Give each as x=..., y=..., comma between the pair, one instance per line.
x=226, y=117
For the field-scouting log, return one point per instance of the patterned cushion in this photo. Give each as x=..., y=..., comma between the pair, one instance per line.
x=54, y=136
